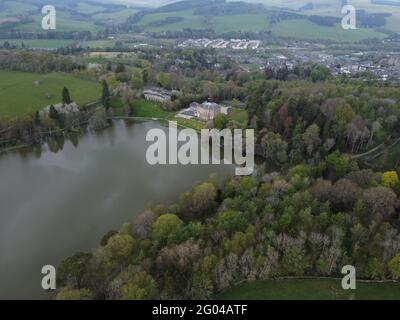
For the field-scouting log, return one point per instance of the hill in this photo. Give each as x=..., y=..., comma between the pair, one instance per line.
x=226, y=16
x=300, y=19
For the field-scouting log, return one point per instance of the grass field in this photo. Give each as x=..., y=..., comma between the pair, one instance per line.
x=19, y=95
x=239, y=115
x=311, y=289
x=99, y=44
x=116, y=16
x=140, y=108
x=304, y=29
x=40, y=43
x=148, y=109
x=189, y=21
x=190, y=123
x=245, y=23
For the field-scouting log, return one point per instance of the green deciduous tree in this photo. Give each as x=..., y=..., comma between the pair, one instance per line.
x=72, y=269
x=394, y=266
x=167, y=228
x=141, y=287
x=119, y=247
x=66, y=98
x=105, y=97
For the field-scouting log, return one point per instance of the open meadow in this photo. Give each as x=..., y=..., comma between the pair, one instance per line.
x=22, y=93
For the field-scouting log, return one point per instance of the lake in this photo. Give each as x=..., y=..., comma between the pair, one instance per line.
x=62, y=198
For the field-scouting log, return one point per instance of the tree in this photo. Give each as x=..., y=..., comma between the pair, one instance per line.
x=109, y=66
x=276, y=148
x=74, y=294
x=394, y=266
x=232, y=221
x=107, y=237
x=164, y=80
x=137, y=81
x=380, y=201
x=66, y=99
x=344, y=194
x=124, y=77
x=120, y=68
x=337, y=164
x=142, y=225
x=105, y=98
x=321, y=189
x=390, y=179
x=220, y=121
x=167, y=228
x=37, y=118
x=141, y=287
x=53, y=113
x=127, y=99
x=119, y=247
x=73, y=269
x=203, y=199
x=311, y=139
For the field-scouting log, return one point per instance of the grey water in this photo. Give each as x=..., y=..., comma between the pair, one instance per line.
x=63, y=197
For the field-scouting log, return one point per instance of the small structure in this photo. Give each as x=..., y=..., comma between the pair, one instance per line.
x=157, y=95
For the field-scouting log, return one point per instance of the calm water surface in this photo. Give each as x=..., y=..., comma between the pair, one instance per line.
x=61, y=200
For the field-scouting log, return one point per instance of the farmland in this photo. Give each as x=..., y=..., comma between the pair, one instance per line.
x=19, y=94
x=39, y=43
x=306, y=30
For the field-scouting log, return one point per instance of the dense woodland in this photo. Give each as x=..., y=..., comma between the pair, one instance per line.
x=264, y=227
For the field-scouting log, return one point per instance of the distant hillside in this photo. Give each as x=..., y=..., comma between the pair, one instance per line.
x=306, y=21
x=147, y=3
x=239, y=18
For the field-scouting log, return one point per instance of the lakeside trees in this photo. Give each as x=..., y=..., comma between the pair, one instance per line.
x=261, y=227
